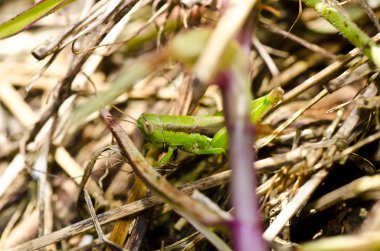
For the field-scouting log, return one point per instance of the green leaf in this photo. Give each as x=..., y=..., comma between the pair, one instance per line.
x=25, y=19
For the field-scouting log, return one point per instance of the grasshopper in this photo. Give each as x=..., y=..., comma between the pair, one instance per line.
x=198, y=134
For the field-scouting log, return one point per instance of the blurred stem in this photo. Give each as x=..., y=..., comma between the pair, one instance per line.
x=246, y=230
x=236, y=96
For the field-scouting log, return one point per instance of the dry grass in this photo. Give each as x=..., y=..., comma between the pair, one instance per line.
x=317, y=170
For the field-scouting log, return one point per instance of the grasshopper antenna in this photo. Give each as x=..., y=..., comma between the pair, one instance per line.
x=134, y=121
x=129, y=116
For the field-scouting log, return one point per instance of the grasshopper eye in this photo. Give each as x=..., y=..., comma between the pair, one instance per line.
x=148, y=128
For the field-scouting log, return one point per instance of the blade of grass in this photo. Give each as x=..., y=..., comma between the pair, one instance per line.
x=25, y=19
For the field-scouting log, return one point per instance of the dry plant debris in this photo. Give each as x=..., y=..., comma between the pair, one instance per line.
x=316, y=164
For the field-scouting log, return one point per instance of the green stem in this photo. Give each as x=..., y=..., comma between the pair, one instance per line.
x=347, y=28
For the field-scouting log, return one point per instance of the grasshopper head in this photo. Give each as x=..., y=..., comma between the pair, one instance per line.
x=148, y=125
x=145, y=126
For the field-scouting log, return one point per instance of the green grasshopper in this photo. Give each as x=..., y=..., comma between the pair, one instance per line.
x=198, y=134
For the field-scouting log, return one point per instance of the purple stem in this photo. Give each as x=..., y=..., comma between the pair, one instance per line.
x=247, y=231
x=246, y=228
